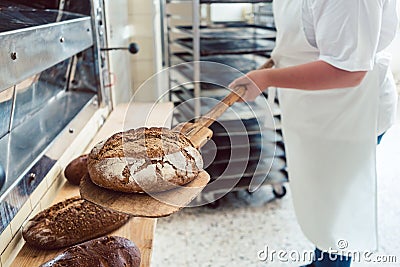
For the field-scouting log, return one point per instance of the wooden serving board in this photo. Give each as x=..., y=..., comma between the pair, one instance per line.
x=143, y=205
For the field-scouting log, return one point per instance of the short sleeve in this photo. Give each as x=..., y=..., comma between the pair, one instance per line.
x=347, y=32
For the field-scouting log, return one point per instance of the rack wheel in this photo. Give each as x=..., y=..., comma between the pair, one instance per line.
x=279, y=192
x=213, y=205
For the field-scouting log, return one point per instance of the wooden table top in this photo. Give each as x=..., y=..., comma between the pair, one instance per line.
x=139, y=230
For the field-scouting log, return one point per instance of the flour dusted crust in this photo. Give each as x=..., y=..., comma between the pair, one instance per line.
x=144, y=160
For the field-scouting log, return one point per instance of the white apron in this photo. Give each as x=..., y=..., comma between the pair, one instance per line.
x=330, y=138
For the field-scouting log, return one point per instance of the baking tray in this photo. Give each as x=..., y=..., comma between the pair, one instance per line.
x=239, y=111
x=243, y=63
x=251, y=126
x=246, y=168
x=234, y=1
x=241, y=119
x=239, y=139
x=268, y=135
x=235, y=126
x=232, y=31
x=216, y=75
x=221, y=1
x=210, y=47
x=225, y=148
x=250, y=152
x=253, y=151
x=226, y=182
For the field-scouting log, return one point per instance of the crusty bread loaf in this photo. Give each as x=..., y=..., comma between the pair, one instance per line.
x=70, y=222
x=76, y=169
x=144, y=160
x=107, y=251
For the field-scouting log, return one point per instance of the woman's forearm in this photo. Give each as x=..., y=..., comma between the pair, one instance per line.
x=317, y=75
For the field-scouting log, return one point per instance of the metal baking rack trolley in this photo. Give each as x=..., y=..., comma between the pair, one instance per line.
x=247, y=148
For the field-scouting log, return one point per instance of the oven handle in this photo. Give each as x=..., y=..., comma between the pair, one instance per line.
x=133, y=48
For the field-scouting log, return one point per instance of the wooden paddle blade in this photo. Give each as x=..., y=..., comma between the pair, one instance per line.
x=196, y=133
x=200, y=137
x=143, y=205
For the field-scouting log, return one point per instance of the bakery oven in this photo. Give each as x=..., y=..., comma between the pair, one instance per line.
x=53, y=81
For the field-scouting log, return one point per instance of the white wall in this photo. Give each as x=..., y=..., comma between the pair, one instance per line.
x=144, y=18
x=229, y=12
x=118, y=35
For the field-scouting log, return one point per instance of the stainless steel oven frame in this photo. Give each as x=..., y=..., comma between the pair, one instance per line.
x=53, y=92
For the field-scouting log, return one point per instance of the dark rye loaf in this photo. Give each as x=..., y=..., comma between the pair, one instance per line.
x=107, y=251
x=70, y=222
x=144, y=160
x=76, y=169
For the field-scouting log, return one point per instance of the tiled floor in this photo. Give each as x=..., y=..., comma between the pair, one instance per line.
x=234, y=233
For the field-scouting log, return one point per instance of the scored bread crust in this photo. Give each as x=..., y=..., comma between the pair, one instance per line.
x=144, y=160
x=107, y=251
x=70, y=222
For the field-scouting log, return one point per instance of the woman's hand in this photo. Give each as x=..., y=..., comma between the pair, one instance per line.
x=254, y=89
x=254, y=83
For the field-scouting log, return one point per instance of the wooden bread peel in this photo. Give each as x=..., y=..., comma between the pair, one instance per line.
x=165, y=203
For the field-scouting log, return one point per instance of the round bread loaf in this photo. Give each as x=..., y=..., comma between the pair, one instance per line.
x=107, y=251
x=76, y=169
x=70, y=222
x=144, y=160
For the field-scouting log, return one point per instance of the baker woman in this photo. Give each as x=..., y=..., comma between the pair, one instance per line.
x=330, y=66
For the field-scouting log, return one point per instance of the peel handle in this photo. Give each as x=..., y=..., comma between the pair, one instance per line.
x=207, y=119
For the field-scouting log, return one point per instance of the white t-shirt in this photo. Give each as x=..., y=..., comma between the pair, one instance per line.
x=331, y=27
